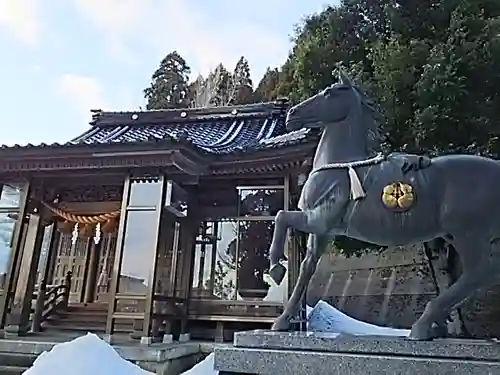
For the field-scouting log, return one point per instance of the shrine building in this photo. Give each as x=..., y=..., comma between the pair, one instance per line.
x=150, y=223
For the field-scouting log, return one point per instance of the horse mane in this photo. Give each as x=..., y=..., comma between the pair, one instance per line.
x=373, y=120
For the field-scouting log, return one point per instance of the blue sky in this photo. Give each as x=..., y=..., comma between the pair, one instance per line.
x=61, y=58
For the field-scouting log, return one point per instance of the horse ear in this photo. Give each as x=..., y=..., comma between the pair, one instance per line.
x=344, y=78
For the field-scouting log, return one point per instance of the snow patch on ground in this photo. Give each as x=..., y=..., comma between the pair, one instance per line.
x=205, y=367
x=86, y=355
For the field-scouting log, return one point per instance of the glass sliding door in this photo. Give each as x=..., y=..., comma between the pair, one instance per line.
x=231, y=257
x=137, y=242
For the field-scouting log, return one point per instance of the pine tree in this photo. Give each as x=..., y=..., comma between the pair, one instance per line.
x=169, y=84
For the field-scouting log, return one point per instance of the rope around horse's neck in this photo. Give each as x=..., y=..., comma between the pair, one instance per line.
x=357, y=191
x=351, y=164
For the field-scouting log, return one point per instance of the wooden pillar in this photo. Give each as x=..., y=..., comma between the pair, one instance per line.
x=189, y=230
x=51, y=261
x=91, y=272
x=19, y=317
x=45, y=266
x=162, y=286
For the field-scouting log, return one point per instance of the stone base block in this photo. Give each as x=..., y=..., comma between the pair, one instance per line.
x=184, y=337
x=298, y=353
x=146, y=340
x=13, y=330
x=168, y=339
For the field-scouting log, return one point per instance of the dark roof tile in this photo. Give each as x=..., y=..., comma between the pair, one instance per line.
x=221, y=130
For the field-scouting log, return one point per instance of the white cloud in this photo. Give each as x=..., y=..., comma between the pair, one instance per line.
x=165, y=25
x=22, y=19
x=115, y=19
x=82, y=92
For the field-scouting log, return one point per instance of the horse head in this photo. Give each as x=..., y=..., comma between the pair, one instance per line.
x=348, y=113
x=331, y=105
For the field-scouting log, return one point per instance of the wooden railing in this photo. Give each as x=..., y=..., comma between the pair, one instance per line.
x=50, y=300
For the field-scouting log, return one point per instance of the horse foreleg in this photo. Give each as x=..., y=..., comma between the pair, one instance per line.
x=283, y=221
x=315, y=248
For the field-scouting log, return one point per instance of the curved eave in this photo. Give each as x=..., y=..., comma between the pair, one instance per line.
x=160, y=154
x=265, y=161
x=102, y=157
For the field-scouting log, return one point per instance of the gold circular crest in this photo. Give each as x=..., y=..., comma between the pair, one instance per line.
x=398, y=195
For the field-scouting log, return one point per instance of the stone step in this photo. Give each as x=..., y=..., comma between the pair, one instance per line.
x=12, y=370
x=16, y=359
x=15, y=363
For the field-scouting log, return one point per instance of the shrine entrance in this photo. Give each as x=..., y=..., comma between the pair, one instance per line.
x=84, y=245
x=90, y=264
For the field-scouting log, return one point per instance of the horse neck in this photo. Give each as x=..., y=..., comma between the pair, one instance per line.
x=339, y=144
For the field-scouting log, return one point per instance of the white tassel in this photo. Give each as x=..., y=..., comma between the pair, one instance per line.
x=357, y=191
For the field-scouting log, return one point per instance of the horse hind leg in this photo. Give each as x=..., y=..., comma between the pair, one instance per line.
x=316, y=246
x=480, y=264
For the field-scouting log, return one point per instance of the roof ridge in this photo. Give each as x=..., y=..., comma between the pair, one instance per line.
x=100, y=117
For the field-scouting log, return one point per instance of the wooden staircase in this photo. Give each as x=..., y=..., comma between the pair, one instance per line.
x=84, y=317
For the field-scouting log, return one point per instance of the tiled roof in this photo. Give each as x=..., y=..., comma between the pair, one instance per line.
x=221, y=130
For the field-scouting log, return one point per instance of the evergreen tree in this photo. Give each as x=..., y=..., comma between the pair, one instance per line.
x=169, y=84
x=199, y=93
x=241, y=85
x=221, y=88
x=432, y=66
x=221, y=80
x=267, y=88
x=213, y=91
x=457, y=97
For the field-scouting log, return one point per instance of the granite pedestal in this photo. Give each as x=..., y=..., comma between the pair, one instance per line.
x=299, y=353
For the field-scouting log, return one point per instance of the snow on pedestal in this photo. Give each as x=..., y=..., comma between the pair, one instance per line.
x=325, y=318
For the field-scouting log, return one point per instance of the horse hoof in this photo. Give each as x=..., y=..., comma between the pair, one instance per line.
x=440, y=331
x=427, y=334
x=277, y=273
x=281, y=324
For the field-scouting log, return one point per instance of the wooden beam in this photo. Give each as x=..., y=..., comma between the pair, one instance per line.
x=89, y=208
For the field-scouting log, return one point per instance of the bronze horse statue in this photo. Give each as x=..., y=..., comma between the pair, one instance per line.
x=398, y=199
